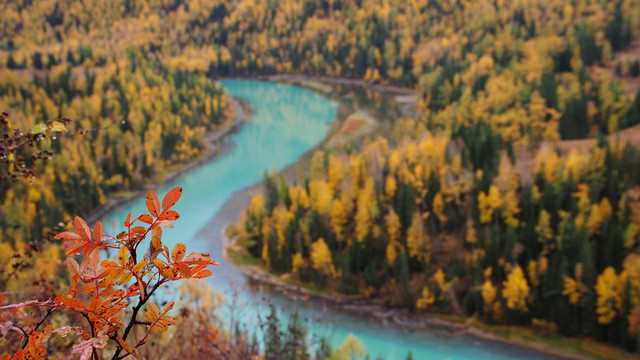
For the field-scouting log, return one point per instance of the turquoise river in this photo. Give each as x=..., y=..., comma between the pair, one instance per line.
x=287, y=122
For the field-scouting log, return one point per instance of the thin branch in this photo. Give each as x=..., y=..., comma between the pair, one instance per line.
x=134, y=316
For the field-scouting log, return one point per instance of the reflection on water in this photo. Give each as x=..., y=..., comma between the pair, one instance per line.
x=288, y=121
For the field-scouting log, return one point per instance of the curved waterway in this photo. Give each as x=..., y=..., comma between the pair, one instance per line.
x=287, y=122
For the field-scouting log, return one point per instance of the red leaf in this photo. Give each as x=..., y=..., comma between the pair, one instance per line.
x=127, y=222
x=82, y=228
x=146, y=218
x=67, y=235
x=172, y=197
x=97, y=232
x=153, y=205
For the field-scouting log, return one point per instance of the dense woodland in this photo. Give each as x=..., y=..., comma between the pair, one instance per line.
x=430, y=225
x=468, y=209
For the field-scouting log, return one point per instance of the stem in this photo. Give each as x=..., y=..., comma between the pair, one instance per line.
x=49, y=311
x=143, y=300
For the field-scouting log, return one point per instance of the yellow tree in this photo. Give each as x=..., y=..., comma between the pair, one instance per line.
x=426, y=299
x=297, y=262
x=417, y=240
x=470, y=237
x=609, y=290
x=392, y=221
x=367, y=209
x=598, y=215
x=392, y=253
x=321, y=196
x=543, y=229
x=351, y=349
x=338, y=219
x=575, y=288
x=489, y=293
x=516, y=290
x=281, y=218
x=390, y=186
x=321, y=258
x=487, y=204
x=438, y=208
x=335, y=172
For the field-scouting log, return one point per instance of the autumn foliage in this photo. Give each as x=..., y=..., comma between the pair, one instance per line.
x=111, y=293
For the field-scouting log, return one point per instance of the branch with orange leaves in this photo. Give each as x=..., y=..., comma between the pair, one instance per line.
x=101, y=290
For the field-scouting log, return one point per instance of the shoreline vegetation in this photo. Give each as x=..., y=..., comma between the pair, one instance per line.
x=446, y=326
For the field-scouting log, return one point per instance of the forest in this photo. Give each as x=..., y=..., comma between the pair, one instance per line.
x=512, y=196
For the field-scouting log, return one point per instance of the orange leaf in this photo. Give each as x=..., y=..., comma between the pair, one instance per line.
x=108, y=292
x=202, y=274
x=178, y=252
x=97, y=232
x=153, y=205
x=19, y=355
x=127, y=221
x=139, y=266
x=91, y=261
x=89, y=288
x=172, y=197
x=123, y=256
x=168, y=307
x=125, y=278
x=67, y=235
x=170, y=215
x=127, y=348
x=146, y=218
x=138, y=230
x=73, y=266
x=82, y=228
x=152, y=313
x=108, y=264
x=156, y=238
x=184, y=270
x=159, y=263
x=71, y=303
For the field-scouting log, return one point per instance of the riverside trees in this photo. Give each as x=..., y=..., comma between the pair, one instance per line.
x=447, y=234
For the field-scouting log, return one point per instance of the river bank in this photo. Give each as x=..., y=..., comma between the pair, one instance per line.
x=445, y=326
x=407, y=109
x=243, y=112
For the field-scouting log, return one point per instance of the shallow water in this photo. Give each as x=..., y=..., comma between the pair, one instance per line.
x=288, y=122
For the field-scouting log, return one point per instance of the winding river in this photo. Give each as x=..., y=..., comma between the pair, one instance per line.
x=288, y=121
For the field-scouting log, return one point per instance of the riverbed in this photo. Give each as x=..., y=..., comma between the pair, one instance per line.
x=288, y=121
